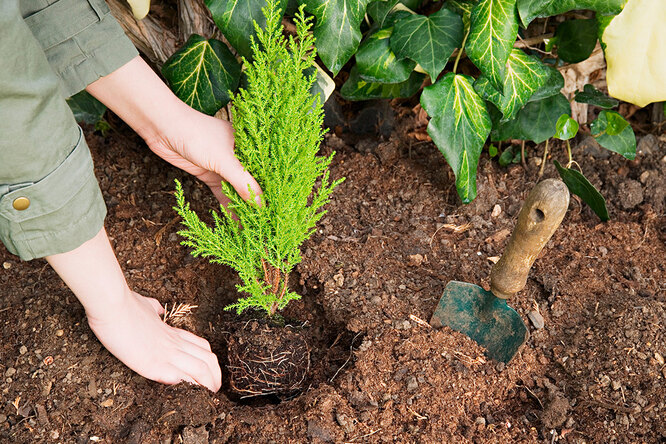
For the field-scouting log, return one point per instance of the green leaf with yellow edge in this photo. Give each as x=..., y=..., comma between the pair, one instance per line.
x=493, y=30
x=337, y=29
x=614, y=133
x=376, y=62
x=524, y=76
x=566, y=128
x=581, y=187
x=202, y=73
x=459, y=126
x=531, y=9
x=636, y=53
x=428, y=40
x=356, y=88
x=234, y=18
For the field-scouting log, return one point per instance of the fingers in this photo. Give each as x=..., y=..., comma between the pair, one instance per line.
x=193, y=339
x=201, y=366
x=240, y=179
x=155, y=304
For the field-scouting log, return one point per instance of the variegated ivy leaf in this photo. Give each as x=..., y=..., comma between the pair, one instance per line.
x=235, y=20
x=377, y=63
x=553, y=85
x=463, y=8
x=380, y=10
x=202, y=73
x=459, y=127
x=356, y=88
x=524, y=76
x=531, y=9
x=428, y=40
x=337, y=29
x=492, y=33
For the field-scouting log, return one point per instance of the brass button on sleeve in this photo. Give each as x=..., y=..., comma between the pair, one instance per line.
x=21, y=203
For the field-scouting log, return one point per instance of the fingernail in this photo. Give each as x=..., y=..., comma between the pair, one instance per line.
x=257, y=199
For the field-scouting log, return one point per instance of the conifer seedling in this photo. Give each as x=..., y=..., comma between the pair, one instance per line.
x=278, y=130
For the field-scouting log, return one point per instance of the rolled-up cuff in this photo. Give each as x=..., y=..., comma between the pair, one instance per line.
x=56, y=214
x=82, y=41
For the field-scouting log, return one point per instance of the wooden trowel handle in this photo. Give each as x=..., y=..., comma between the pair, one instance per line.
x=540, y=216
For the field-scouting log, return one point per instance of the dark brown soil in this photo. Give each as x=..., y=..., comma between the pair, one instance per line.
x=267, y=360
x=393, y=237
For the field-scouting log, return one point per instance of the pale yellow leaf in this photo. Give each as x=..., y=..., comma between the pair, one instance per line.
x=140, y=8
x=636, y=53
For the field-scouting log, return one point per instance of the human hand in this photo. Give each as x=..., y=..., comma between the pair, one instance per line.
x=197, y=143
x=204, y=147
x=128, y=324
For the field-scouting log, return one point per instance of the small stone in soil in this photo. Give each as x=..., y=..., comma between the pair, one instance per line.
x=23, y=350
x=536, y=319
x=480, y=421
x=60, y=333
x=195, y=435
x=10, y=372
x=497, y=210
x=412, y=384
x=630, y=193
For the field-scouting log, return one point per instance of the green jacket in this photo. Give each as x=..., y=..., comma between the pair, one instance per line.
x=50, y=201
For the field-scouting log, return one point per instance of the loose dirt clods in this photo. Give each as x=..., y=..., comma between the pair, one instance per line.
x=594, y=373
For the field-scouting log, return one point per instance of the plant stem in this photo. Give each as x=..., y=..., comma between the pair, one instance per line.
x=460, y=51
x=543, y=162
x=522, y=155
x=569, y=153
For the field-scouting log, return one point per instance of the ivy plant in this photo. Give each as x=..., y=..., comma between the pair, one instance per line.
x=405, y=48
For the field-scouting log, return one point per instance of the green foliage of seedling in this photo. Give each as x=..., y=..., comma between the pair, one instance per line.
x=614, y=133
x=593, y=96
x=492, y=151
x=581, y=187
x=510, y=155
x=278, y=130
x=566, y=128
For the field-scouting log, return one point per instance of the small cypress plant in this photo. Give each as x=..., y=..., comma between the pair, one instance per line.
x=278, y=130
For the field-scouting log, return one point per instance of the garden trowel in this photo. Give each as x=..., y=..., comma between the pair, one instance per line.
x=484, y=315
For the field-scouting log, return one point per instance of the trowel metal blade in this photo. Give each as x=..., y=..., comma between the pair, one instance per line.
x=482, y=316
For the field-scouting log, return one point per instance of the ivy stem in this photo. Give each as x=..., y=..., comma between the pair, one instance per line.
x=522, y=155
x=569, y=153
x=460, y=51
x=543, y=162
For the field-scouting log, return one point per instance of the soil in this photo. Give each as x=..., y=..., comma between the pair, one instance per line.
x=267, y=360
x=371, y=275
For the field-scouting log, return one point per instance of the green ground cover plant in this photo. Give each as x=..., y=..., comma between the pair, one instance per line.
x=278, y=131
x=406, y=48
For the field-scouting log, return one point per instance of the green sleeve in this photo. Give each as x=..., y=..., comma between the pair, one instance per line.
x=44, y=159
x=81, y=39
